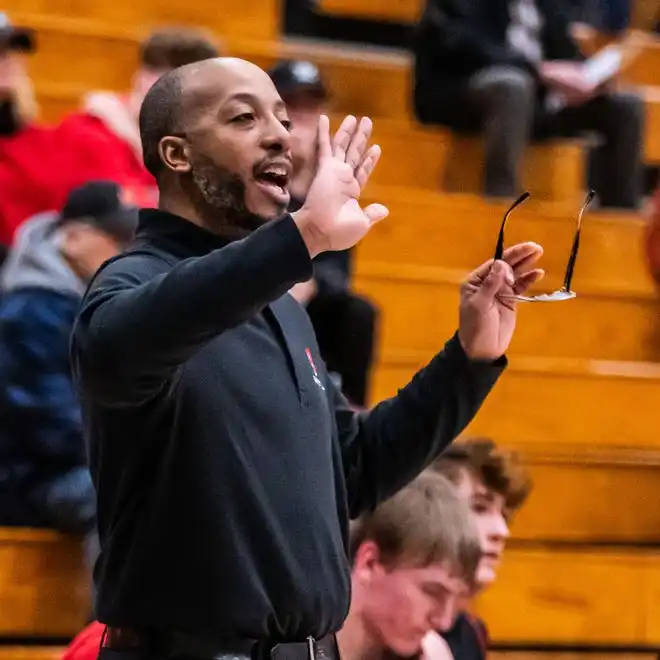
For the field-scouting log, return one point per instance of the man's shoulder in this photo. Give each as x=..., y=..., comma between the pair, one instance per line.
x=133, y=267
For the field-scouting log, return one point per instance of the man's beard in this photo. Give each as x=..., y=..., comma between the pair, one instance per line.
x=219, y=198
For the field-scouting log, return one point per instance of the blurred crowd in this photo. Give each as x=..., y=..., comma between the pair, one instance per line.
x=510, y=70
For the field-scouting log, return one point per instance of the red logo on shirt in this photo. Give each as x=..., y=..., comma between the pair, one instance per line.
x=317, y=380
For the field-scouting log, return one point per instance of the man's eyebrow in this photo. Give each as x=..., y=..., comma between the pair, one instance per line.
x=247, y=97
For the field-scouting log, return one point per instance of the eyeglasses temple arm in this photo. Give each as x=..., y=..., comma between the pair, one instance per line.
x=499, y=248
x=570, y=267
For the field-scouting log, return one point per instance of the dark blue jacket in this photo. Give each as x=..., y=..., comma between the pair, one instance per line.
x=41, y=431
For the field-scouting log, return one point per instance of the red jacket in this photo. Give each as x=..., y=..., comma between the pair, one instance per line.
x=40, y=165
x=111, y=136
x=36, y=173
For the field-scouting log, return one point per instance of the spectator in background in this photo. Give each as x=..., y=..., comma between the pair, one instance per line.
x=494, y=65
x=344, y=322
x=609, y=16
x=44, y=480
x=40, y=165
x=108, y=122
x=493, y=483
x=412, y=559
x=27, y=182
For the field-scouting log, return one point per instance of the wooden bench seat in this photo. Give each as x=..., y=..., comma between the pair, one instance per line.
x=553, y=171
x=575, y=596
x=567, y=402
x=44, y=586
x=11, y=652
x=588, y=495
x=460, y=231
x=258, y=18
x=420, y=305
x=394, y=11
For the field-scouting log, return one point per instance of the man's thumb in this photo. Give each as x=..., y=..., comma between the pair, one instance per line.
x=376, y=213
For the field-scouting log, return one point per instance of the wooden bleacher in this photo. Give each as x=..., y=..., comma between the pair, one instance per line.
x=394, y=11
x=577, y=401
x=44, y=590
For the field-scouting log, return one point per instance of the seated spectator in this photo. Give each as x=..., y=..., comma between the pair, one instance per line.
x=108, y=121
x=495, y=486
x=40, y=165
x=26, y=148
x=344, y=322
x=44, y=480
x=495, y=66
x=412, y=559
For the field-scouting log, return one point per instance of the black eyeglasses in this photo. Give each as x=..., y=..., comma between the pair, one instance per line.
x=564, y=293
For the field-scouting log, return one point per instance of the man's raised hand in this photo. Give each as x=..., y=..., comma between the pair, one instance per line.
x=331, y=217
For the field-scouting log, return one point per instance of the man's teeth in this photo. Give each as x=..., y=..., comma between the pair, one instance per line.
x=276, y=171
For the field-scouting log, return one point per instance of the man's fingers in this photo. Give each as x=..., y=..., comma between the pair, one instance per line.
x=496, y=277
x=359, y=143
x=527, y=279
x=325, y=145
x=376, y=213
x=368, y=165
x=480, y=274
x=522, y=255
x=343, y=137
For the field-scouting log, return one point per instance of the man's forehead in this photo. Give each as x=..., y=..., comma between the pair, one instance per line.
x=439, y=574
x=222, y=80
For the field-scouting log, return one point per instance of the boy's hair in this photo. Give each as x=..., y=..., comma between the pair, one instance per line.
x=424, y=523
x=499, y=469
x=170, y=48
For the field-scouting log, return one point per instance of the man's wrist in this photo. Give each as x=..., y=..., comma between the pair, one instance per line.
x=312, y=237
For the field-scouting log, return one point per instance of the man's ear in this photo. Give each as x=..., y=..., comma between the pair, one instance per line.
x=175, y=154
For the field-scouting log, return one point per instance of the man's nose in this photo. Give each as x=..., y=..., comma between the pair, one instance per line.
x=500, y=529
x=276, y=136
x=444, y=614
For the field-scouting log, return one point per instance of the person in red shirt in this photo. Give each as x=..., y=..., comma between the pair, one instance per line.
x=26, y=148
x=40, y=165
x=109, y=121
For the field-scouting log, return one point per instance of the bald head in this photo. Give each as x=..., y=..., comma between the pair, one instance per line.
x=176, y=100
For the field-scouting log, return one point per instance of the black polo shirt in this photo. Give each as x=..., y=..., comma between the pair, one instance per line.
x=226, y=462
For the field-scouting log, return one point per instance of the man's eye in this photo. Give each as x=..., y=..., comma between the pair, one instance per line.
x=243, y=117
x=287, y=124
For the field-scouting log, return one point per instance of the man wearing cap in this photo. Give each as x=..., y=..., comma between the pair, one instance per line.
x=44, y=481
x=344, y=323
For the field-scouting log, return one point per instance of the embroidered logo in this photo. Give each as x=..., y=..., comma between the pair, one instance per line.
x=315, y=373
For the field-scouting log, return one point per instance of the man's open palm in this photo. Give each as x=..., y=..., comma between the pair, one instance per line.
x=345, y=165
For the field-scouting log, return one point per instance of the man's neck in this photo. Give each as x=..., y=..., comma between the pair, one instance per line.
x=354, y=641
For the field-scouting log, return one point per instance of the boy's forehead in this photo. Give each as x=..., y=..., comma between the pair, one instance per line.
x=441, y=575
x=470, y=483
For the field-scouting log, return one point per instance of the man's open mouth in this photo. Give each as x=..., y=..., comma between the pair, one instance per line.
x=275, y=179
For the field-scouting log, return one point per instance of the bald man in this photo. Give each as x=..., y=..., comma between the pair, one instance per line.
x=226, y=463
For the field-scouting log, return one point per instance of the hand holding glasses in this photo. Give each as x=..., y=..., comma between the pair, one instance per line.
x=564, y=293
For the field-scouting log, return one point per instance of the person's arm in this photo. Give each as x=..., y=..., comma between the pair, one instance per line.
x=454, y=29
x=141, y=318
x=386, y=448
x=35, y=379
